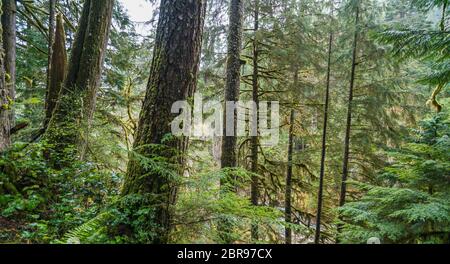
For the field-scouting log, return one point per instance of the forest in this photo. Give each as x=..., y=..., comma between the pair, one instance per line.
x=225, y=122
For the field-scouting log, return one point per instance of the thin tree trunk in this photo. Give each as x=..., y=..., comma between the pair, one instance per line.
x=349, y=114
x=5, y=103
x=57, y=69
x=173, y=78
x=9, y=46
x=288, y=194
x=68, y=130
x=324, y=143
x=345, y=167
x=255, y=139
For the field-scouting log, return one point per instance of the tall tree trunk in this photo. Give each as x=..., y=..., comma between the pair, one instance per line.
x=9, y=46
x=173, y=78
x=5, y=102
x=68, y=129
x=232, y=90
x=51, y=39
x=324, y=143
x=345, y=168
x=255, y=139
x=233, y=81
x=288, y=194
x=57, y=69
x=349, y=113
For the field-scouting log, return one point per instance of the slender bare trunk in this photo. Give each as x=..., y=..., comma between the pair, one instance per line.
x=345, y=167
x=349, y=114
x=324, y=144
x=288, y=194
x=255, y=140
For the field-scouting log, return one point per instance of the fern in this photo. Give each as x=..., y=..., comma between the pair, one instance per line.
x=88, y=232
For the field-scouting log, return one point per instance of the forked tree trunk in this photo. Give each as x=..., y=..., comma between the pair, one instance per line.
x=173, y=78
x=57, y=69
x=51, y=39
x=68, y=130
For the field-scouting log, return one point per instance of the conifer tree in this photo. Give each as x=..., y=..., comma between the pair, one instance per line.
x=324, y=134
x=5, y=103
x=9, y=46
x=408, y=203
x=157, y=159
x=57, y=69
x=68, y=130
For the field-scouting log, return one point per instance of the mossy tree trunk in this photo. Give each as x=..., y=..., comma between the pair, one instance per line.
x=68, y=130
x=9, y=47
x=232, y=90
x=173, y=77
x=5, y=104
x=57, y=68
x=233, y=80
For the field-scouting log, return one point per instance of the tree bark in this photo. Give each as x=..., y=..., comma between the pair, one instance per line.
x=345, y=167
x=255, y=140
x=51, y=38
x=233, y=81
x=5, y=102
x=9, y=46
x=349, y=113
x=288, y=194
x=173, y=78
x=68, y=130
x=324, y=144
x=232, y=90
x=57, y=69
